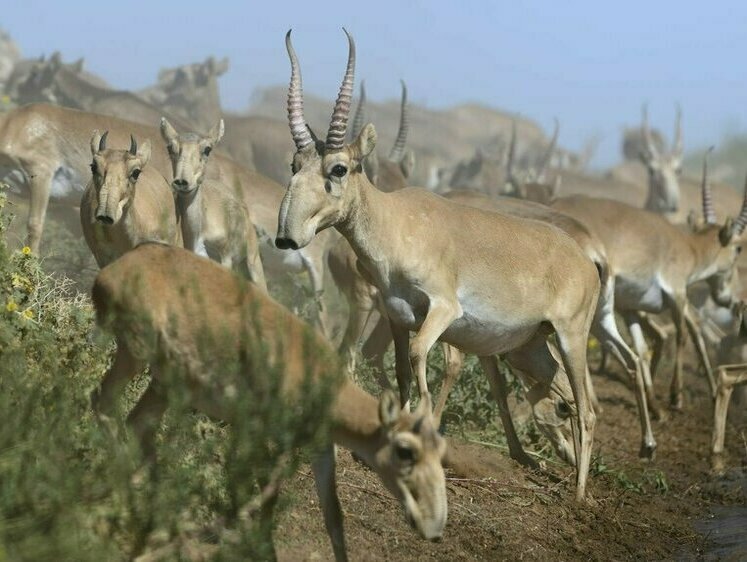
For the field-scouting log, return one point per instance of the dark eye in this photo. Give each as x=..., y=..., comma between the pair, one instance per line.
x=404, y=454
x=206, y=151
x=135, y=174
x=339, y=170
x=562, y=409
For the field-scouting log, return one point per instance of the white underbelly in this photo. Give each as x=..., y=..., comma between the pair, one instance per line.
x=632, y=295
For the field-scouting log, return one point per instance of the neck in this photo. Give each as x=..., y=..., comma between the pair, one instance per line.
x=189, y=213
x=701, y=245
x=356, y=421
x=368, y=224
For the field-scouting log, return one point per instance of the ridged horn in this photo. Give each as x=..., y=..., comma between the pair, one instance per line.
x=133, y=146
x=296, y=120
x=398, y=150
x=549, y=152
x=102, y=142
x=650, y=146
x=360, y=113
x=339, y=123
x=511, y=154
x=741, y=221
x=709, y=214
x=678, y=145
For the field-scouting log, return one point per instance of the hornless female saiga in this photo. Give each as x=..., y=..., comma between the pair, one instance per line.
x=484, y=282
x=125, y=203
x=196, y=311
x=215, y=222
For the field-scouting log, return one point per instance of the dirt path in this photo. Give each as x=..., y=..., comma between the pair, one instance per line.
x=502, y=511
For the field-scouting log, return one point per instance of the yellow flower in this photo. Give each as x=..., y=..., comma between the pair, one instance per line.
x=28, y=314
x=26, y=251
x=11, y=306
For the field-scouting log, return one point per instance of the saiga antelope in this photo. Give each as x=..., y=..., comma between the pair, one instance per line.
x=653, y=263
x=45, y=148
x=184, y=301
x=482, y=281
x=125, y=202
x=214, y=220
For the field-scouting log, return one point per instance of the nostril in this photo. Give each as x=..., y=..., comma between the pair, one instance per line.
x=180, y=183
x=105, y=219
x=286, y=244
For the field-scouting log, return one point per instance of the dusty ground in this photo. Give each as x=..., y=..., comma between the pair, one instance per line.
x=503, y=511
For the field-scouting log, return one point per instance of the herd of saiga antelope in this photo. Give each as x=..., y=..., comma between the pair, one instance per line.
x=484, y=275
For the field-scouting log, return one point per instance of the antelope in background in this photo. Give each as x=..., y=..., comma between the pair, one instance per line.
x=126, y=202
x=161, y=290
x=214, y=220
x=654, y=262
x=431, y=277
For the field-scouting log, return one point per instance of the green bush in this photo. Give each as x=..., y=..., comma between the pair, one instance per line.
x=75, y=489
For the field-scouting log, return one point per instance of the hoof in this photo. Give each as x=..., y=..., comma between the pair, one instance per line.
x=526, y=461
x=718, y=467
x=647, y=451
x=675, y=403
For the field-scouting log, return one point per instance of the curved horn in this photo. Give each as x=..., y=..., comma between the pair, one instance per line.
x=102, y=142
x=398, y=150
x=296, y=119
x=339, y=123
x=741, y=221
x=360, y=113
x=650, y=146
x=549, y=152
x=709, y=214
x=133, y=146
x=511, y=154
x=677, y=146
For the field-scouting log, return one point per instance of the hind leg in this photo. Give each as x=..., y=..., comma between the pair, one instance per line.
x=40, y=183
x=453, y=361
x=499, y=387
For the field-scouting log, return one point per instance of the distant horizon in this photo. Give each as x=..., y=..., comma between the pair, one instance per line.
x=592, y=67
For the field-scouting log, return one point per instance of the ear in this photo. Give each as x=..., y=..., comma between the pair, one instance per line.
x=168, y=133
x=216, y=133
x=407, y=164
x=366, y=141
x=143, y=152
x=95, y=140
x=77, y=66
x=371, y=167
x=727, y=233
x=389, y=409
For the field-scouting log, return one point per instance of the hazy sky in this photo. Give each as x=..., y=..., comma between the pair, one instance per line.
x=590, y=64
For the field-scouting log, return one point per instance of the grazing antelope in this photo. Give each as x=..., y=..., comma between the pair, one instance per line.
x=484, y=282
x=125, y=203
x=214, y=220
x=653, y=263
x=177, y=296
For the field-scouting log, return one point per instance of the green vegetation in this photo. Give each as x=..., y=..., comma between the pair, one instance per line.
x=72, y=488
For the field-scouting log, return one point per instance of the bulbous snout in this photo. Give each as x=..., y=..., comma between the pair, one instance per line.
x=286, y=243
x=180, y=185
